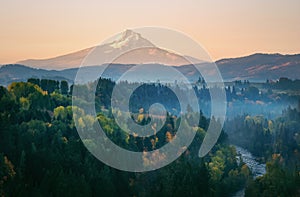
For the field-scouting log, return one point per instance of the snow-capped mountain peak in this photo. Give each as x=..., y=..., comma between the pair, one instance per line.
x=130, y=38
x=129, y=33
x=128, y=47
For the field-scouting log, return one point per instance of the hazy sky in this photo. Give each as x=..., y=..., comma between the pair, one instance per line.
x=229, y=28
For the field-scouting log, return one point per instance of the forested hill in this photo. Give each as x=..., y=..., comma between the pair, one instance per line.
x=41, y=154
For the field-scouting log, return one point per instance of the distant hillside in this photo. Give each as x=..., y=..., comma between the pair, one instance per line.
x=71, y=60
x=261, y=67
x=15, y=72
x=256, y=67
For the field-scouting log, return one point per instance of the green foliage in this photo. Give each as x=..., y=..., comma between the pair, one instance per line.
x=7, y=173
x=47, y=157
x=22, y=89
x=34, y=81
x=49, y=85
x=64, y=87
x=277, y=181
x=277, y=142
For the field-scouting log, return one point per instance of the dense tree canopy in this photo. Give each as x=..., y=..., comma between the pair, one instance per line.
x=41, y=153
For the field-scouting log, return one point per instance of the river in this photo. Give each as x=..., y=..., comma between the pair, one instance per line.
x=256, y=168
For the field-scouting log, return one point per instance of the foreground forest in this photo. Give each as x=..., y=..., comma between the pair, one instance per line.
x=41, y=153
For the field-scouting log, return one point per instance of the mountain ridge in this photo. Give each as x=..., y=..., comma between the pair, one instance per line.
x=255, y=67
x=261, y=65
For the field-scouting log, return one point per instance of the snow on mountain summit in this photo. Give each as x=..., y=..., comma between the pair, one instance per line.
x=132, y=39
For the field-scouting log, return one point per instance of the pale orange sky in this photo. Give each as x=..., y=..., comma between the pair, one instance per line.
x=231, y=28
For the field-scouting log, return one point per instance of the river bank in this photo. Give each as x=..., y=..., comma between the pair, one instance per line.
x=257, y=169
